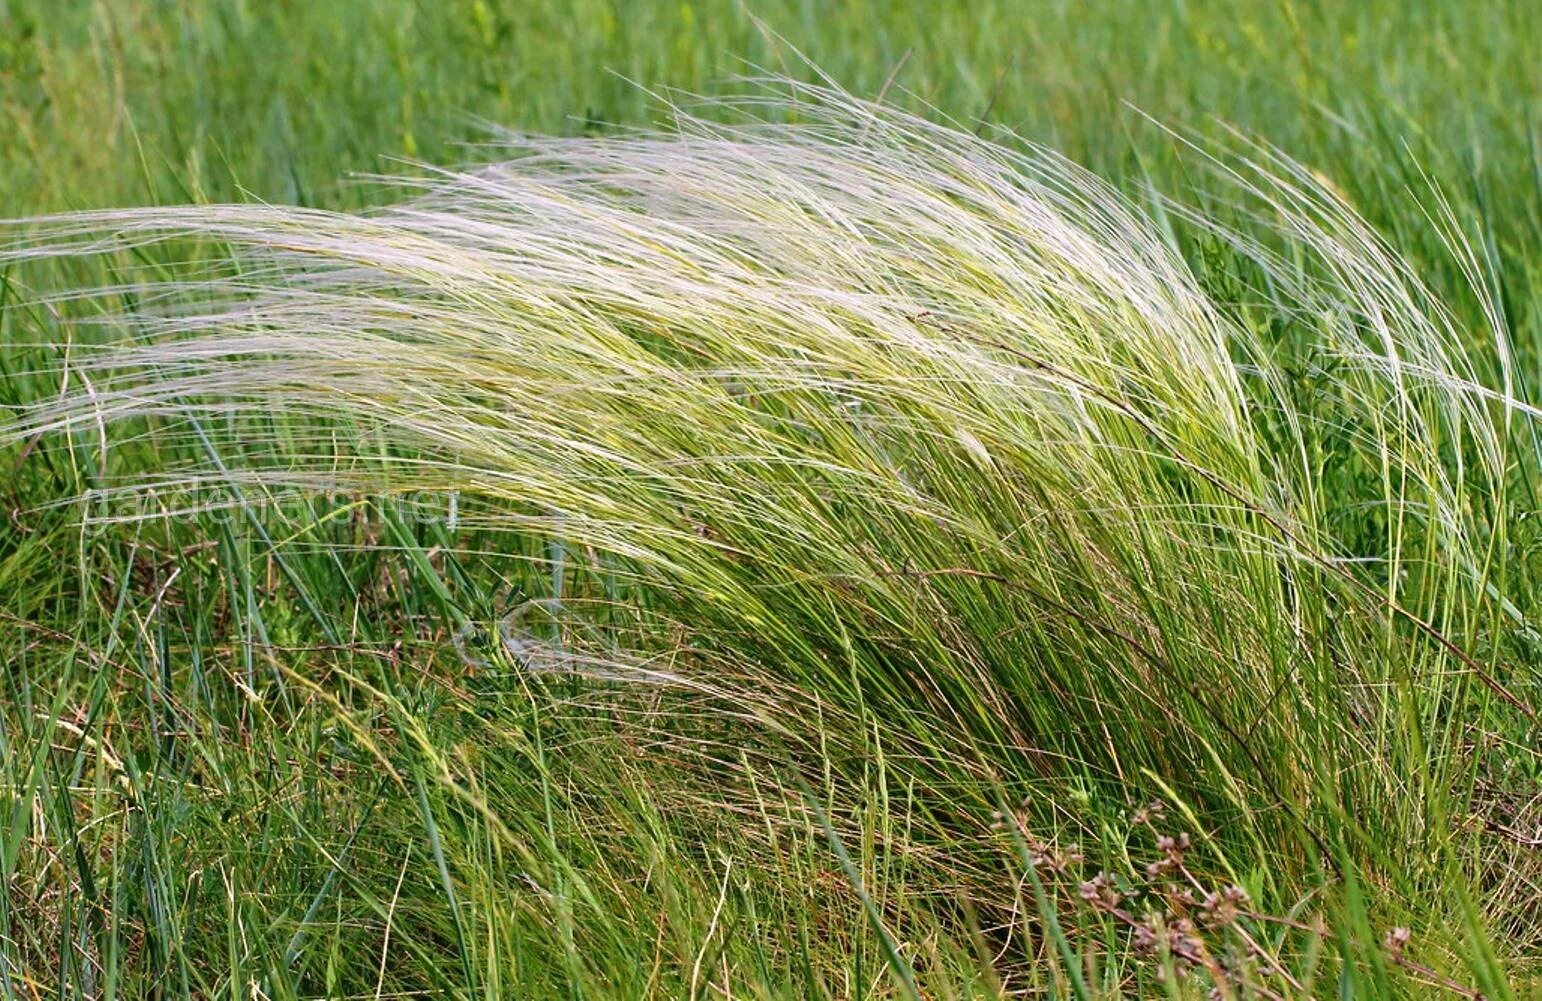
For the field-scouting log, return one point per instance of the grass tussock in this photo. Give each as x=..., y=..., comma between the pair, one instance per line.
x=864, y=476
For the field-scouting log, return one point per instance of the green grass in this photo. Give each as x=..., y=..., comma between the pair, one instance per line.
x=242, y=755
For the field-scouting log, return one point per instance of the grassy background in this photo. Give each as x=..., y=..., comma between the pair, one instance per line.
x=127, y=102
x=237, y=755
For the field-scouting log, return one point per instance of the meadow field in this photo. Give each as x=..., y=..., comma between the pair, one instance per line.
x=642, y=499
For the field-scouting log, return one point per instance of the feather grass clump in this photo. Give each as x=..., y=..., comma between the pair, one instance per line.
x=940, y=436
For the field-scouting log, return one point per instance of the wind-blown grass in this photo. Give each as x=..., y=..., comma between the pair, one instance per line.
x=893, y=451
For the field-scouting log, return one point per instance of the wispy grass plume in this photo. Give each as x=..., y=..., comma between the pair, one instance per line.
x=940, y=437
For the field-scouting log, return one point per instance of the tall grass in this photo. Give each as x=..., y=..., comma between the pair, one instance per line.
x=880, y=467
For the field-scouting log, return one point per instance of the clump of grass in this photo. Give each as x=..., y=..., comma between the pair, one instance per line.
x=882, y=435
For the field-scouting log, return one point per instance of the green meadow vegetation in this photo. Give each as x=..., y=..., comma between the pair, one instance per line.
x=636, y=499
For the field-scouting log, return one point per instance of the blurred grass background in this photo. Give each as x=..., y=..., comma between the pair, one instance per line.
x=135, y=100
x=199, y=715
